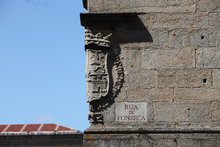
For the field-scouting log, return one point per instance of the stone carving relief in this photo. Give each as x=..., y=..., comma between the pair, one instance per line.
x=101, y=88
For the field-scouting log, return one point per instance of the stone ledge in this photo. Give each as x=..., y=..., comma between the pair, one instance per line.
x=125, y=130
x=40, y=133
x=90, y=19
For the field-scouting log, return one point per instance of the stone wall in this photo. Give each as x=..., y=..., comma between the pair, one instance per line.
x=170, y=52
x=153, y=140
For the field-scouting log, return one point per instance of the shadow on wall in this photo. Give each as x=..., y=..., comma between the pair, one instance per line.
x=125, y=28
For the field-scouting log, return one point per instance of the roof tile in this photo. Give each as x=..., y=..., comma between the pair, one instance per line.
x=49, y=127
x=33, y=127
x=62, y=128
x=14, y=128
x=2, y=127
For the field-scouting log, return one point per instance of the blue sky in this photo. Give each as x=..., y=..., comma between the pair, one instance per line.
x=42, y=63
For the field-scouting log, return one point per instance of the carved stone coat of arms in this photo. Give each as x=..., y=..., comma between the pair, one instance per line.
x=96, y=65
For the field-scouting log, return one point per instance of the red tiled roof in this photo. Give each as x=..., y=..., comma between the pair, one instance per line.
x=33, y=127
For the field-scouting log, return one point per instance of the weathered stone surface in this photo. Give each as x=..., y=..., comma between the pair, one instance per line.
x=166, y=142
x=141, y=6
x=199, y=112
x=213, y=142
x=169, y=20
x=199, y=38
x=178, y=38
x=154, y=140
x=144, y=140
x=208, y=58
x=179, y=58
x=94, y=143
x=214, y=19
x=170, y=112
x=133, y=60
x=109, y=114
x=205, y=37
x=154, y=94
x=184, y=78
x=215, y=111
x=160, y=39
x=136, y=94
x=122, y=96
x=214, y=36
x=196, y=94
x=181, y=112
x=173, y=67
x=143, y=79
x=216, y=78
x=188, y=142
x=208, y=6
x=201, y=20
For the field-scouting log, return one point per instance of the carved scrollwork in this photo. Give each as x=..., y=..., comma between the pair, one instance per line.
x=119, y=77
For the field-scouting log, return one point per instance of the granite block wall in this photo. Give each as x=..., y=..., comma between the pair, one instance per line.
x=177, y=72
x=171, y=65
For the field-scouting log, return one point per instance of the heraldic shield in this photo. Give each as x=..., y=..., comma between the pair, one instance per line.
x=97, y=75
x=96, y=66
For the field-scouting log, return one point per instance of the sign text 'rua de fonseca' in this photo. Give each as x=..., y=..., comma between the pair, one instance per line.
x=131, y=112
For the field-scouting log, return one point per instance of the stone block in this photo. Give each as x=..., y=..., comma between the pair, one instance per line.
x=215, y=111
x=181, y=112
x=178, y=58
x=199, y=112
x=208, y=6
x=142, y=79
x=199, y=38
x=184, y=78
x=154, y=94
x=201, y=20
x=122, y=95
x=216, y=78
x=196, y=94
x=133, y=60
x=141, y=6
x=190, y=142
x=166, y=142
x=95, y=143
x=178, y=38
x=144, y=141
x=163, y=39
x=214, y=19
x=208, y=58
x=108, y=140
x=160, y=38
x=137, y=94
x=214, y=36
x=170, y=20
x=121, y=143
x=213, y=142
x=170, y=112
x=109, y=114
